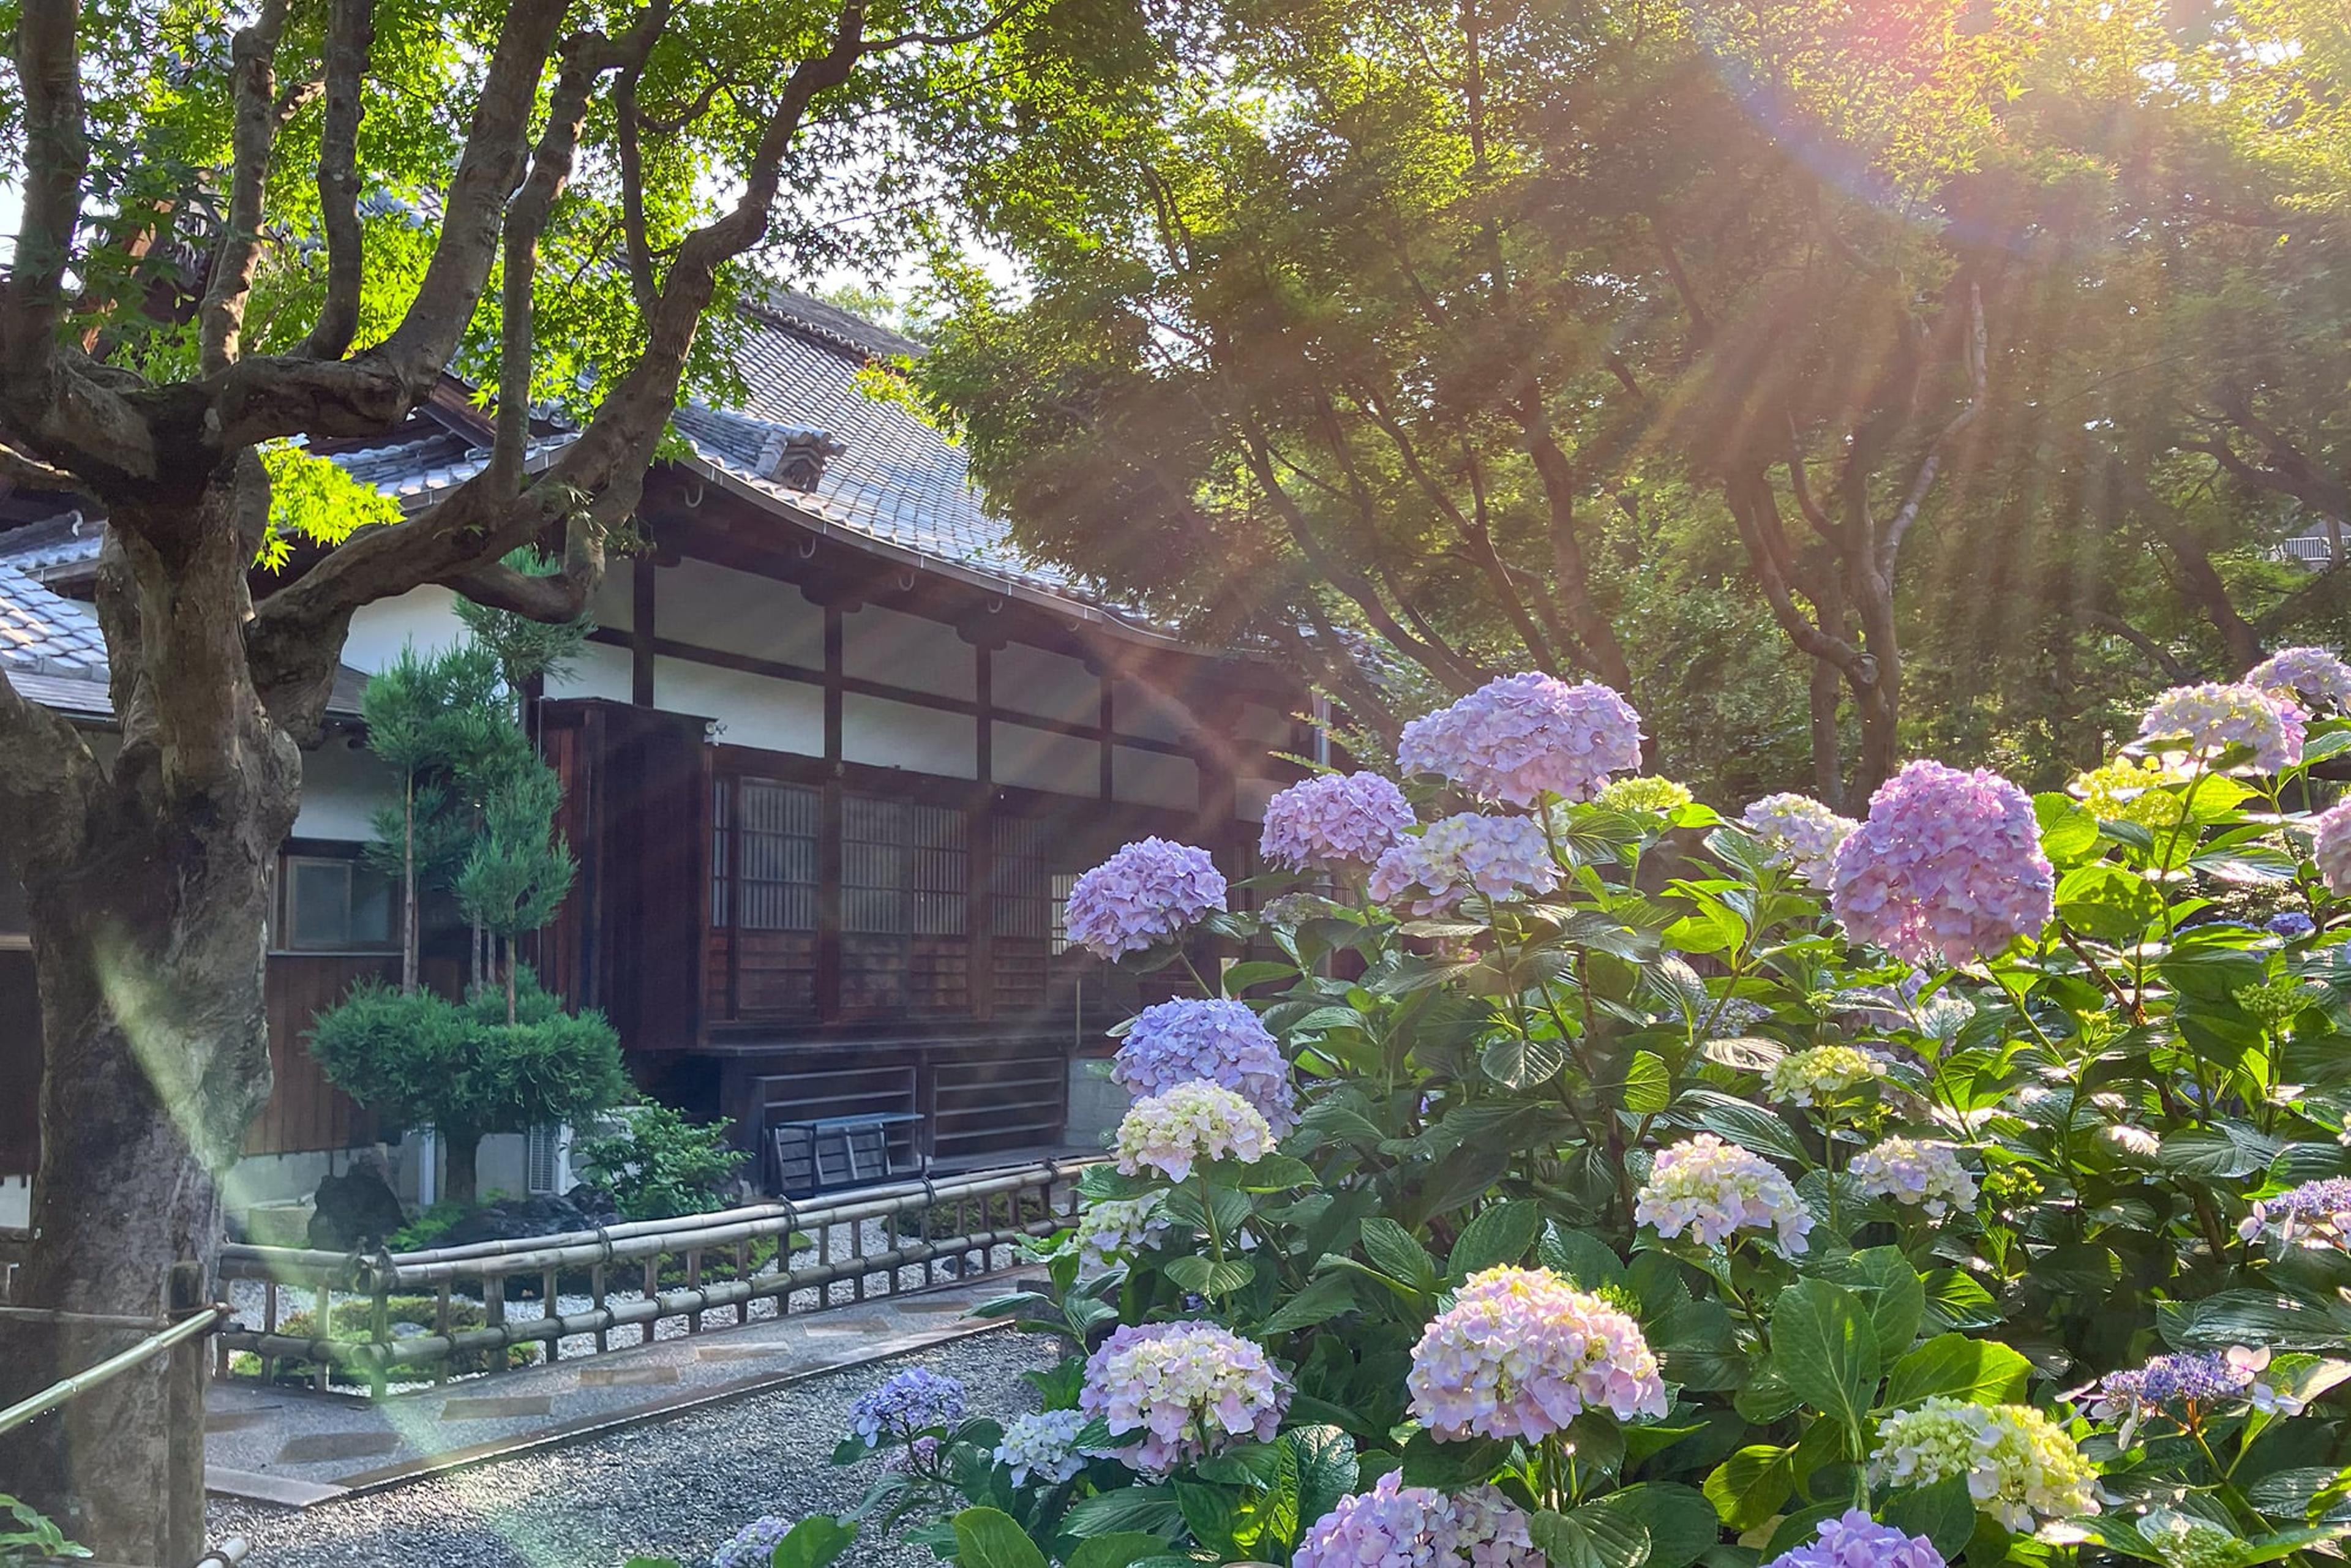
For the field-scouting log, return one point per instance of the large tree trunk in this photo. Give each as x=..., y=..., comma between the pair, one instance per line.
x=149, y=890
x=459, y=1146
x=1828, y=754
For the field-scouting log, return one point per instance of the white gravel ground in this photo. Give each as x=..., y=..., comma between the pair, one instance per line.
x=678, y=1487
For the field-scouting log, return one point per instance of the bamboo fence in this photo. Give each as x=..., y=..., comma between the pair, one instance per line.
x=716, y=1265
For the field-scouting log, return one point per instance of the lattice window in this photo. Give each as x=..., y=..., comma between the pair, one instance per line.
x=762, y=959
x=904, y=873
x=776, y=883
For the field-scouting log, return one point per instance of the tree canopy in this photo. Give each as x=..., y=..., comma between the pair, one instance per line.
x=1987, y=351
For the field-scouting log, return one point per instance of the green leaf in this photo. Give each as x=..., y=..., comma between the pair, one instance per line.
x=816, y=1542
x=1680, y=1522
x=1580, y=1257
x=1944, y=1513
x=1648, y=1086
x=1207, y=1277
x=1210, y=1512
x=1748, y=1487
x=1449, y=1467
x=1325, y=1297
x=1516, y=1063
x=1326, y=1468
x=1826, y=1348
x=988, y=1537
x=1119, y=1551
x=1737, y=1122
x=1152, y=1509
x=1276, y=1173
x=1392, y=1251
x=1591, y=1537
x=1981, y=1371
x=1897, y=1298
x=1499, y=1235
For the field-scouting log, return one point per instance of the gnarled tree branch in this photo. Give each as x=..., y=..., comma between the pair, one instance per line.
x=350, y=37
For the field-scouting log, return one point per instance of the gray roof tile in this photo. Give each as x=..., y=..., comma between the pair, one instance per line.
x=42, y=634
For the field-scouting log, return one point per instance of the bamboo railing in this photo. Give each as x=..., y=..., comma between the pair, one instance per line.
x=631, y=1276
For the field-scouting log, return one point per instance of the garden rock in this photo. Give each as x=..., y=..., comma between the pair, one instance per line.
x=544, y=1213
x=356, y=1210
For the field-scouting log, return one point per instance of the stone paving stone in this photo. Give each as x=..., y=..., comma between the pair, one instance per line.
x=316, y=1447
x=742, y=1351
x=237, y=1420
x=625, y=1377
x=493, y=1407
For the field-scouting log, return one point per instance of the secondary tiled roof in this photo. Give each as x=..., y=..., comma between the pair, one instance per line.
x=42, y=634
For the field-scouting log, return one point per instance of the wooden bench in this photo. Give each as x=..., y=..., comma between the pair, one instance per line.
x=826, y=1153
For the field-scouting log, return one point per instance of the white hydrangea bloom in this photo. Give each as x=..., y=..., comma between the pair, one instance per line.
x=1919, y=1172
x=1712, y=1191
x=2020, y=1467
x=1823, y=1073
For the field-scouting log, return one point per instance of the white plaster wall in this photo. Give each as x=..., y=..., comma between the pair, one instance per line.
x=1042, y=760
x=1022, y=679
x=600, y=670
x=1250, y=797
x=342, y=785
x=1153, y=778
x=752, y=710
x=878, y=645
x=737, y=613
x=883, y=734
x=1138, y=708
x=425, y=618
x=15, y=1202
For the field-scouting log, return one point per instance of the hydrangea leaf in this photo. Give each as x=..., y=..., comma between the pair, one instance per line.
x=1499, y=1235
x=1824, y=1344
x=1982, y=1371
x=990, y=1538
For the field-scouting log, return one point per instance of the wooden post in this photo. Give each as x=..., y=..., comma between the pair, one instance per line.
x=441, y=1327
x=324, y=1328
x=693, y=1282
x=596, y=1291
x=548, y=1308
x=651, y=1288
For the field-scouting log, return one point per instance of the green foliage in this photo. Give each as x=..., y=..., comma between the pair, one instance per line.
x=661, y=1165
x=460, y=1067
x=27, y=1536
x=525, y=649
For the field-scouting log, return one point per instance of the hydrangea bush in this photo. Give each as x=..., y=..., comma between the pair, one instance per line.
x=1626, y=1185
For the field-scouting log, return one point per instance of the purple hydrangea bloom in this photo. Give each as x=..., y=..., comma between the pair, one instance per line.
x=755, y=1544
x=2314, y=674
x=1334, y=821
x=2332, y=849
x=2291, y=924
x=1499, y=857
x=1801, y=833
x=1222, y=1041
x=1857, y=1540
x=1391, y=1526
x=1520, y=1353
x=1149, y=893
x=1523, y=737
x=2319, y=1210
x=1189, y=1389
x=2185, y=1387
x=2208, y=720
x=1948, y=867
x=913, y=1401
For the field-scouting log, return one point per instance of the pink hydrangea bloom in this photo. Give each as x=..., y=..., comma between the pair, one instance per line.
x=1334, y=821
x=1222, y=1041
x=1189, y=1389
x=1857, y=1540
x=1391, y=1526
x=2332, y=849
x=2313, y=674
x=1921, y=1172
x=1713, y=1191
x=1947, y=868
x=1171, y=1131
x=1151, y=891
x=1802, y=834
x=1500, y=857
x=1520, y=1353
x=1523, y=737
x=2208, y=720
x=1495, y=1531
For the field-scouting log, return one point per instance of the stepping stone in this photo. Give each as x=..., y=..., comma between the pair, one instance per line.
x=922, y=1306
x=236, y=1420
x=741, y=1352
x=316, y=1448
x=492, y=1407
x=625, y=1377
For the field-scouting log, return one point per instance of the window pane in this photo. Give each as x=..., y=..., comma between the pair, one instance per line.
x=372, y=921
x=317, y=902
x=778, y=873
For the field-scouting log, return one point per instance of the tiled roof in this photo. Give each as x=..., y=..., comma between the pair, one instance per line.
x=42, y=634
x=67, y=539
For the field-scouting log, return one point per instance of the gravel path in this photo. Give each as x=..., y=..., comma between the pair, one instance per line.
x=678, y=1487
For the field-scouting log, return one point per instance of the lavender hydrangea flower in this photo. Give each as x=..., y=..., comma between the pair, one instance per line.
x=2331, y=848
x=755, y=1544
x=915, y=1400
x=1857, y=1540
x=2292, y=924
x=2319, y=1211
x=1391, y=1526
x=1221, y=1041
x=1193, y=1122
x=1919, y=1173
x=1495, y=1532
x=1331, y=821
x=1500, y=857
x=1189, y=1389
x=1524, y=737
x=2020, y=1467
x=2314, y=674
x=1110, y=1226
x=1713, y=1191
x=1801, y=834
x=1520, y=1353
x=2185, y=1388
x=2208, y=720
x=1151, y=891
x=1948, y=867
x=1043, y=1444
